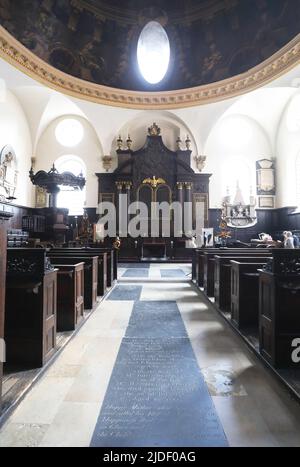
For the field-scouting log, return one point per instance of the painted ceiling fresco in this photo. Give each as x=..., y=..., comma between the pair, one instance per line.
x=96, y=40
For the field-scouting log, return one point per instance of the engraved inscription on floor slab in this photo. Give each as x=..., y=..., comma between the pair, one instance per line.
x=157, y=395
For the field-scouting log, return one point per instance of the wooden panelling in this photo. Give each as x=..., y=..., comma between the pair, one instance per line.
x=90, y=274
x=30, y=310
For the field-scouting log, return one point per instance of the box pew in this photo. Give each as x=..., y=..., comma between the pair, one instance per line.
x=70, y=295
x=222, y=277
x=111, y=258
x=245, y=293
x=209, y=266
x=90, y=275
x=114, y=261
x=195, y=265
x=199, y=259
x=31, y=298
x=279, y=309
x=102, y=263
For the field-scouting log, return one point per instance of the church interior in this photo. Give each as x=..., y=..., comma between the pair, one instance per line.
x=149, y=223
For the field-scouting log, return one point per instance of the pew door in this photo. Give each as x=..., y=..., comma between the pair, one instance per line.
x=79, y=293
x=49, y=307
x=95, y=279
x=266, y=316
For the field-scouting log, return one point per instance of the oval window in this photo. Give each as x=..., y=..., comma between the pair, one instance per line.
x=153, y=52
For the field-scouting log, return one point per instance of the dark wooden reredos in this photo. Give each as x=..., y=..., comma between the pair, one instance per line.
x=134, y=177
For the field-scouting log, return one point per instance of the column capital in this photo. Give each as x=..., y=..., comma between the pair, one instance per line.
x=119, y=186
x=128, y=185
x=179, y=185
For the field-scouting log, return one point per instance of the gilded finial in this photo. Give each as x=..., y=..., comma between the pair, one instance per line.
x=188, y=142
x=119, y=143
x=129, y=142
x=154, y=130
x=178, y=143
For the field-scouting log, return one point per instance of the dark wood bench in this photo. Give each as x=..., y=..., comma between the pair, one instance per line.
x=102, y=263
x=111, y=258
x=31, y=298
x=199, y=259
x=209, y=266
x=245, y=294
x=70, y=295
x=114, y=260
x=279, y=308
x=222, y=277
x=90, y=275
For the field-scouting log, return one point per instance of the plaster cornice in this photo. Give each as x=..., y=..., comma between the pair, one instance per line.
x=20, y=57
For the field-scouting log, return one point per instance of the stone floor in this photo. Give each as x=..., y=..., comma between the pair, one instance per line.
x=63, y=407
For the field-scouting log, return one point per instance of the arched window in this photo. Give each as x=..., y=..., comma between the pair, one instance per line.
x=237, y=173
x=68, y=198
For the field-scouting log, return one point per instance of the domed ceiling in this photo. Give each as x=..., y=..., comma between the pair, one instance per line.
x=96, y=40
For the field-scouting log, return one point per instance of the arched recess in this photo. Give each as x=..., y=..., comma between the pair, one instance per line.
x=58, y=106
x=15, y=131
x=287, y=151
x=170, y=124
x=89, y=149
x=234, y=138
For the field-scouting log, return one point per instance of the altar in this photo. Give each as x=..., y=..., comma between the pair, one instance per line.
x=154, y=250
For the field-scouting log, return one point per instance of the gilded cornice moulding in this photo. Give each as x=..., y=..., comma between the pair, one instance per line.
x=19, y=56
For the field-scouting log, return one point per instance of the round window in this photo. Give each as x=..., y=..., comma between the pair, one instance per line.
x=69, y=132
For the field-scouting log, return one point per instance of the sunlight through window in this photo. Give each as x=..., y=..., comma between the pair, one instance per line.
x=69, y=132
x=153, y=52
x=68, y=198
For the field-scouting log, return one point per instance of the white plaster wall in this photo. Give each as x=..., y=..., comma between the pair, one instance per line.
x=235, y=137
x=216, y=130
x=14, y=130
x=288, y=148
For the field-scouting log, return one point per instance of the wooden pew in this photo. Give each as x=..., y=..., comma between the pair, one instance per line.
x=222, y=277
x=111, y=267
x=209, y=266
x=114, y=262
x=102, y=263
x=194, y=265
x=70, y=295
x=279, y=308
x=31, y=297
x=245, y=293
x=199, y=259
x=90, y=275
